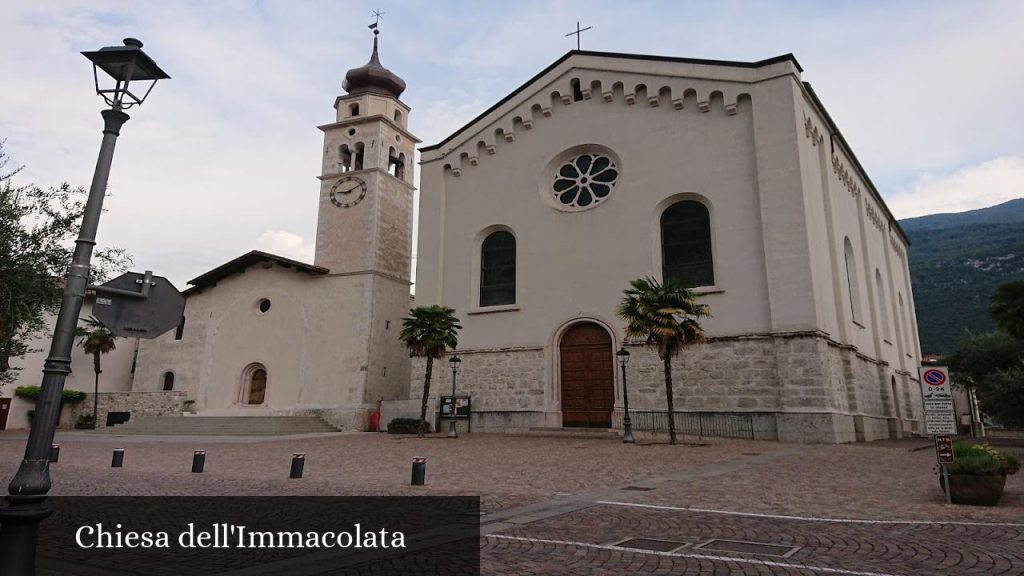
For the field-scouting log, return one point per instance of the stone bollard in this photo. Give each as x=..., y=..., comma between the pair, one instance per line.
x=198, y=461
x=298, y=463
x=118, y=459
x=54, y=453
x=419, y=471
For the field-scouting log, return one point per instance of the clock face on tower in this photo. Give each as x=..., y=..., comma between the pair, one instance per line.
x=348, y=191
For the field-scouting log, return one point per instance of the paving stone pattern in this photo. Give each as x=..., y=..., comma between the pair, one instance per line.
x=546, y=500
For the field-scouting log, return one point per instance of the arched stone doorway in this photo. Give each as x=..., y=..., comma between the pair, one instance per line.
x=587, y=376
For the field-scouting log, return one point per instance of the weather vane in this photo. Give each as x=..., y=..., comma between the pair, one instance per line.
x=579, y=31
x=377, y=15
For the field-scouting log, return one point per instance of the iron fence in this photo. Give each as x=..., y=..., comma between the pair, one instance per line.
x=744, y=425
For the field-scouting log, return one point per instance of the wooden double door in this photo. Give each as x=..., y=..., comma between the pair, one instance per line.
x=588, y=376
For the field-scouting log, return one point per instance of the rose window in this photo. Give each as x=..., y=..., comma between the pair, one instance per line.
x=585, y=180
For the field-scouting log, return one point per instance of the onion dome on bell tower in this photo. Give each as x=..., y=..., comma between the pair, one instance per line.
x=372, y=78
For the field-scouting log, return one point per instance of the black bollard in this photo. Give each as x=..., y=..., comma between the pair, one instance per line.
x=419, y=471
x=54, y=453
x=118, y=460
x=198, y=461
x=298, y=462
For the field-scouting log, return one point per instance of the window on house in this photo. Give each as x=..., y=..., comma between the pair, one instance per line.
x=498, y=269
x=686, y=244
x=853, y=287
x=353, y=110
x=180, y=331
x=168, y=381
x=398, y=117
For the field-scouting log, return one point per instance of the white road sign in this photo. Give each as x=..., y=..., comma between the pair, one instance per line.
x=939, y=414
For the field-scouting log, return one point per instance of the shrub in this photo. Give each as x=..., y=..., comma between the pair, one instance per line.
x=405, y=426
x=85, y=421
x=982, y=460
x=32, y=393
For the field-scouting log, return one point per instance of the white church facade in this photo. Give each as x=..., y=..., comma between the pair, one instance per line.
x=533, y=218
x=729, y=176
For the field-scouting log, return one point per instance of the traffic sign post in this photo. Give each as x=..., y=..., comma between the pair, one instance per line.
x=944, y=454
x=939, y=417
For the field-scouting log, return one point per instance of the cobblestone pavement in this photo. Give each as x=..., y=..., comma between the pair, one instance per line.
x=571, y=506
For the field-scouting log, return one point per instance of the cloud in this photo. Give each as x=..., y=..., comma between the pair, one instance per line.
x=971, y=187
x=287, y=244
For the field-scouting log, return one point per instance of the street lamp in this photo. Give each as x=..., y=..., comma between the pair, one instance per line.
x=454, y=361
x=27, y=505
x=627, y=422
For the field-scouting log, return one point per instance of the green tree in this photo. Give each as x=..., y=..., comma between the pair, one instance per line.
x=992, y=364
x=667, y=317
x=95, y=339
x=428, y=332
x=1007, y=307
x=37, y=227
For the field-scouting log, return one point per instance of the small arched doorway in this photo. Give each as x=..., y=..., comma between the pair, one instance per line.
x=587, y=376
x=254, y=385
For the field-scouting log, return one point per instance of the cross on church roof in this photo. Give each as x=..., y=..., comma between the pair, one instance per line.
x=579, y=31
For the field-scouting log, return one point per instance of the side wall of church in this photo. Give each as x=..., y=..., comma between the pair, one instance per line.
x=325, y=318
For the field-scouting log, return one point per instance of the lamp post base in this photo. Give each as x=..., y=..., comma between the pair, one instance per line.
x=451, y=429
x=627, y=433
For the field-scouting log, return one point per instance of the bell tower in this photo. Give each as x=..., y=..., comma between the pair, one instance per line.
x=364, y=225
x=366, y=193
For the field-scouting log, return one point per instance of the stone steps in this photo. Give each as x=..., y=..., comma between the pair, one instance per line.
x=590, y=433
x=220, y=426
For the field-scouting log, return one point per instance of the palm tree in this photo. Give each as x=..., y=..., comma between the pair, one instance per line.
x=429, y=332
x=666, y=316
x=95, y=339
x=1007, y=307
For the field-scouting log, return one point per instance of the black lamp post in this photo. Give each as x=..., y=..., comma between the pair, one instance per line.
x=627, y=422
x=455, y=361
x=27, y=505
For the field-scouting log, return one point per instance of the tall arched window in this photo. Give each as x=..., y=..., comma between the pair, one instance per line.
x=908, y=339
x=358, y=164
x=686, y=244
x=345, y=158
x=353, y=110
x=498, y=269
x=851, y=280
x=168, y=380
x=883, y=305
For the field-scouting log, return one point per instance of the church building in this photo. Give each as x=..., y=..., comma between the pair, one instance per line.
x=264, y=335
x=533, y=218
x=728, y=176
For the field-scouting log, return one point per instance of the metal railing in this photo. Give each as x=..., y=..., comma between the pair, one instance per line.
x=744, y=425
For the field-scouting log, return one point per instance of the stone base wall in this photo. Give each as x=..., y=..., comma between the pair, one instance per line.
x=507, y=380
x=137, y=403
x=347, y=419
x=809, y=387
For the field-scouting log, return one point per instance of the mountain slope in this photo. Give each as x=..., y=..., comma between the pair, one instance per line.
x=956, y=261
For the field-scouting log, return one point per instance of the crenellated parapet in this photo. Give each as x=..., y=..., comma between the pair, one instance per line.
x=582, y=87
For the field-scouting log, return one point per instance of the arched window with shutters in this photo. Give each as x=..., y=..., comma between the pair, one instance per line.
x=686, y=254
x=498, y=269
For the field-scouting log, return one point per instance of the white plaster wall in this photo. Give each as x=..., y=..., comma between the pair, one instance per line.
x=312, y=342
x=116, y=366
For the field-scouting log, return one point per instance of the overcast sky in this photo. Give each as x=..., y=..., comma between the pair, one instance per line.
x=223, y=157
